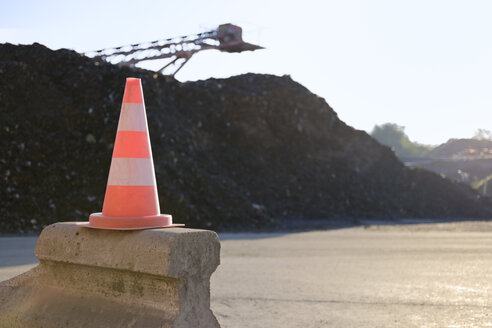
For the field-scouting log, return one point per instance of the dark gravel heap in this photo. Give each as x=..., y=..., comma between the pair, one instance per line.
x=250, y=152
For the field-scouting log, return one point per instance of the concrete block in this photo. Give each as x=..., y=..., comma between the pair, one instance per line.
x=102, y=278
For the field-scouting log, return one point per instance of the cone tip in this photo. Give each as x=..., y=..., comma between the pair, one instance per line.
x=133, y=91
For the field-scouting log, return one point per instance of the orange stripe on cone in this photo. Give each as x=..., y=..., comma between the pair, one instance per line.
x=132, y=144
x=131, y=201
x=133, y=91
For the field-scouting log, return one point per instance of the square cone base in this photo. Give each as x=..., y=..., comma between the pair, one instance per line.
x=100, y=221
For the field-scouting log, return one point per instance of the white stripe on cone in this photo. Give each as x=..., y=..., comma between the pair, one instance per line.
x=132, y=117
x=131, y=172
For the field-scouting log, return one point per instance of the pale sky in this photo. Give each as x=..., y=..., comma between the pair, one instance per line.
x=426, y=65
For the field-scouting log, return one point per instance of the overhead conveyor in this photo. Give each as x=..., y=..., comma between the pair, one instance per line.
x=226, y=38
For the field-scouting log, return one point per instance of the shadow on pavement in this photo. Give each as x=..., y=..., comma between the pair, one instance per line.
x=296, y=226
x=17, y=251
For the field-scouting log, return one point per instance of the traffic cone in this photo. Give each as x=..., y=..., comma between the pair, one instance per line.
x=131, y=201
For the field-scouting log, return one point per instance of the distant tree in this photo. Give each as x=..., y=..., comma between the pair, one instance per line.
x=393, y=135
x=483, y=134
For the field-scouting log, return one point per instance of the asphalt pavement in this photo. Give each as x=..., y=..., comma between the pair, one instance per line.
x=415, y=275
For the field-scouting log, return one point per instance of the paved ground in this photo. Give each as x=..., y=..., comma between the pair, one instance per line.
x=16, y=255
x=427, y=275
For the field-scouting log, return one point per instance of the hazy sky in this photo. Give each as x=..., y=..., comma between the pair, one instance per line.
x=426, y=65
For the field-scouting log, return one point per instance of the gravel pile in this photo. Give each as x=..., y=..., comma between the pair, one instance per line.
x=251, y=152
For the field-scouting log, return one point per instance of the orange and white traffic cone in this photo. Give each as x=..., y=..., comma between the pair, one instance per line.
x=131, y=201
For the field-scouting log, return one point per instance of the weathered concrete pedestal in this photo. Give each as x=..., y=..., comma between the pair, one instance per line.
x=101, y=278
